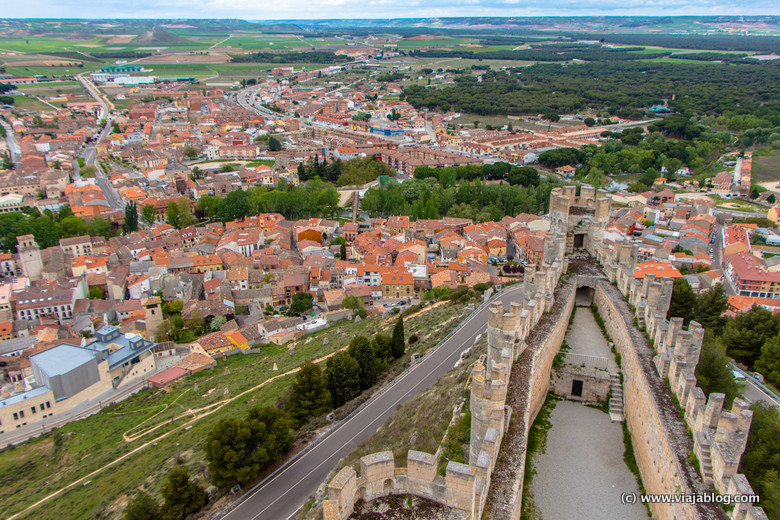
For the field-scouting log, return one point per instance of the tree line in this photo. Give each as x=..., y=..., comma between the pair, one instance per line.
x=623, y=88
x=48, y=227
x=291, y=57
x=515, y=175
x=429, y=199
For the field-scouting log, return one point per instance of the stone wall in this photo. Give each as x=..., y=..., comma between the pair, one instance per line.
x=668, y=355
x=509, y=386
x=595, y=386
x=511, y=334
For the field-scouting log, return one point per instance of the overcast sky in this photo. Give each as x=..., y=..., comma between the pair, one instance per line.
x=312, y=9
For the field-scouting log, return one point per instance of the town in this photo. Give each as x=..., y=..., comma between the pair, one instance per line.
x=157, y=227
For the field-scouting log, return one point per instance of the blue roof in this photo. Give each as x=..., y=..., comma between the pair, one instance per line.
x=61, y=359
x=35, y=392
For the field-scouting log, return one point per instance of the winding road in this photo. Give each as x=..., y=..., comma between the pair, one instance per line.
x=283, y=493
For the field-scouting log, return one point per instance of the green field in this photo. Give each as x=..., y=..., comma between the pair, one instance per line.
x=27, y=103
x=437, y=42
x=52, y=85
x=766, y=168
x=42, y=70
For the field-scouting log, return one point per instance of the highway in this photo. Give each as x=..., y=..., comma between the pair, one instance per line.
x=755, y=391
x=282, y=494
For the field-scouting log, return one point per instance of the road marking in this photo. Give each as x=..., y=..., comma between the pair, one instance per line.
x=379, y=416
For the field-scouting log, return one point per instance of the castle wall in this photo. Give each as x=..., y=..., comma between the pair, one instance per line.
x=656, y=457
x=529, y=385
x=659, y=368
x=509, y=386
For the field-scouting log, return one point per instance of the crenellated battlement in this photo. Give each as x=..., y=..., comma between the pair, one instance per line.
x=719, y=435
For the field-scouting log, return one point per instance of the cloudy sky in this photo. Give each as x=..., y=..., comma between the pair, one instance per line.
x=313, y=9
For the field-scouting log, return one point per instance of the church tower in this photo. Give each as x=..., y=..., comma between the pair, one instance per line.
x=29, y=257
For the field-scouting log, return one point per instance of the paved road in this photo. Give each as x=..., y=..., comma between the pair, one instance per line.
x=280, y=496
x=245, y=98
x=13, y=146
x=105, y=113
x=89, y=154
x=754, y=391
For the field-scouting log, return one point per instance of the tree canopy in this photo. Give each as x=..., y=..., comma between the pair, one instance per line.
x=182, y=496
x=309, y=396
x=237, y=449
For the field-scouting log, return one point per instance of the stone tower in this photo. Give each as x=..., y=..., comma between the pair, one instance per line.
x=152, y=315
x=29, y=257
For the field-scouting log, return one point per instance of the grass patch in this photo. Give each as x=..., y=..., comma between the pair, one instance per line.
x=629, y=458
x=418, y=427
x=456, y=445
x=537, y=443
x=766, y=168
x=261, y=162
x=44, y=465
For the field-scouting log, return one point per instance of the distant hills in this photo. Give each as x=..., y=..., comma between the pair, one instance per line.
x=668, y=25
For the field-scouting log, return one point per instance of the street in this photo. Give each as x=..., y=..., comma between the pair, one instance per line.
x=755, y=391
x=282, y=494
x=13, y=146
x=89, y=154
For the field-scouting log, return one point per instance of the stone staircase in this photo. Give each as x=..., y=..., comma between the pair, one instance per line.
x=616, y=401
x=705, y=455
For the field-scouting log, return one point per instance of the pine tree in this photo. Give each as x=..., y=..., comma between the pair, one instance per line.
x=710, y=307
x=713, y=373
x=382, y=345
x=769, y=362
x=142, y=507
x=746, y=334
x=343, y=252
x=182, y=496
x=360, y=349
x=343, y=378
x=683, y=304
x=398, y=341
x=228, y=451
x=309, y=396
x=131, y=217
